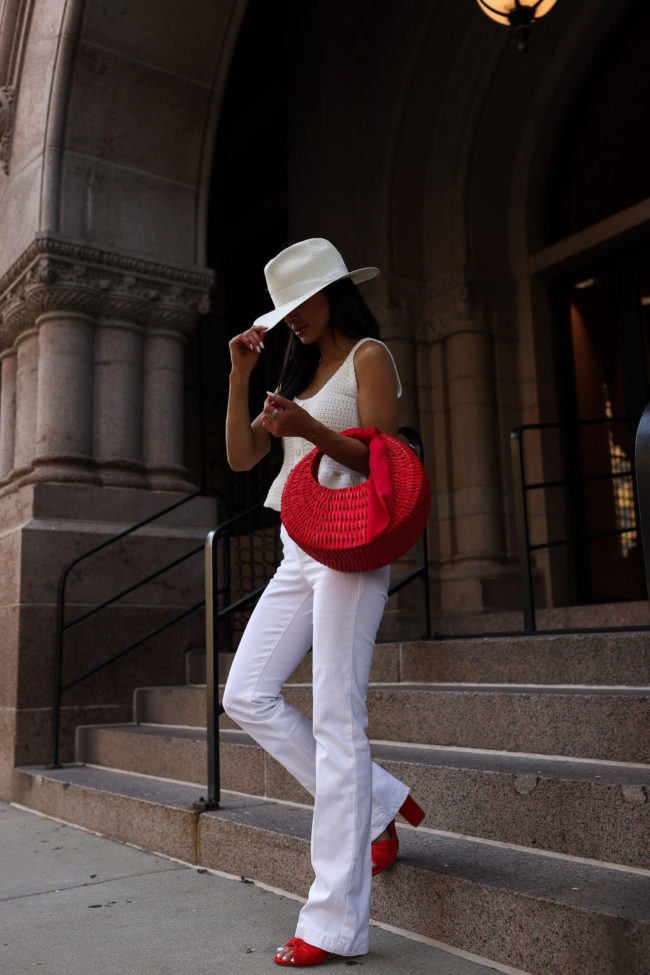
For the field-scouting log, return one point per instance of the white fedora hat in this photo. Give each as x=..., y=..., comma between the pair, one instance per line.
x=301, y=270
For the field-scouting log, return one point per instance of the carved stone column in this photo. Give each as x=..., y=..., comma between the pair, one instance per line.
x=117, y=443
x=74, y=322
x=64, y=416
x=26, y=395
x=7, y=412
x=457, y=318
x=474, y=447
x=99, y=341
x=163, y=408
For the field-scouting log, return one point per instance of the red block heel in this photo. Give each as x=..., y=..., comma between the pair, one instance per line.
x=385, y=851
x=411, y=812
x=303, y=954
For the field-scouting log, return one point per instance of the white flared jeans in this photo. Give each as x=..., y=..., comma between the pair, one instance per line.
x=337, y=614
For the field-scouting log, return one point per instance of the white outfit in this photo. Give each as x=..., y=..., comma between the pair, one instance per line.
x=335, y=405
x=338, y=614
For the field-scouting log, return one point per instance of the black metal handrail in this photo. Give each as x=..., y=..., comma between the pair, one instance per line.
x=642, y=464
x=63, y=625
x=421, y=571
x=214, y=615
x=521, y=490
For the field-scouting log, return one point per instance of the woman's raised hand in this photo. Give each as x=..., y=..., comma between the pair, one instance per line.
x=283, y=418
x=245, y=348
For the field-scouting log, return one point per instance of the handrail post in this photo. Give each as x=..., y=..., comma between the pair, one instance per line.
x=211, y=675
x=523, y=538
x=58, y=669
x=226, y=555
x=212, y=614
x=425, y=582
x=642, y=464
x=415, y=442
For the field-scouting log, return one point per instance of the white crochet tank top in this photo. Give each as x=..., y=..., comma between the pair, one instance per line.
x=335, y=405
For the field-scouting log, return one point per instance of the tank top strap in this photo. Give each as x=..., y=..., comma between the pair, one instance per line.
x=349, y=363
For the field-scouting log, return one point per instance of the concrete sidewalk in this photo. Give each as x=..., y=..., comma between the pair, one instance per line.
x=73, y=903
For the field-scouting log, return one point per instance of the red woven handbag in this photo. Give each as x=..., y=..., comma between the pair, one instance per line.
x=359, y=528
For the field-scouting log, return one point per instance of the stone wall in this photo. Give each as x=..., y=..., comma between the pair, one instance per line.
x=106, y=123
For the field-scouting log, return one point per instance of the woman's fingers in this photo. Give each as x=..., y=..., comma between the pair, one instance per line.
x=253, y=338
x=280, y=401
x=272, y=414
x=245, y=347
x=282, y=417
x=271, y=408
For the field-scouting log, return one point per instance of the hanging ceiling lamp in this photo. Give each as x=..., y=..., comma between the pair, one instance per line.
x=519, y=14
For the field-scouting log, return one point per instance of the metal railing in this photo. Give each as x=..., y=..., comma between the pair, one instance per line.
x=642, y=464
x=215, y=590
x=522, y=488
x=63, y=625
x=214, y=615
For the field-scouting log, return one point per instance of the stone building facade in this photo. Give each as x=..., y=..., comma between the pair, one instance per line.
x=153, y=156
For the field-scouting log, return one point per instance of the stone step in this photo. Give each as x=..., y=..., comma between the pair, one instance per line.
x=386, y=665
x=534, y=911
x=592, y=616
x=538, y=912
x=597, y=810
x=571, y=658
x=608, y=723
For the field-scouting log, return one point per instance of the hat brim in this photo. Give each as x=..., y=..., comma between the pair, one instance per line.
x=272, y=318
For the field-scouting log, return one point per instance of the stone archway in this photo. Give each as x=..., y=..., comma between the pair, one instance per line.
x=110, y=174
x=102, y=275
x=471, y=292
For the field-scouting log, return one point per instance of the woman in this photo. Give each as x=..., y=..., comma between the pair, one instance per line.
x=336, y=375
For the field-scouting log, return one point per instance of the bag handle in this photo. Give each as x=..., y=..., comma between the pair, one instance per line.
x=379, y=484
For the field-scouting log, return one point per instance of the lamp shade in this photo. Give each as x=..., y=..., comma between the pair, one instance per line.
x=502, y=10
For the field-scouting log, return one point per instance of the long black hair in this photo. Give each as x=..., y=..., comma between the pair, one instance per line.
x=349, y=316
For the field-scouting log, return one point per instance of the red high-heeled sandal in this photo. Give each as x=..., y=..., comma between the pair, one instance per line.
x=303, y=954
x=385, y=851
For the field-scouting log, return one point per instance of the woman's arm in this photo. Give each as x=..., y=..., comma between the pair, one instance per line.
x=246, y=442
x=377, y=408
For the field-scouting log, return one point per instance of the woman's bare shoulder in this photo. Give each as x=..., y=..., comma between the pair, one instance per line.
x=374, y=366
x=371, y=357
x=372, y=353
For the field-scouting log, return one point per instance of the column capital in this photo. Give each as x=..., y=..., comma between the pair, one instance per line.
x=457, y=301
x=54, y=274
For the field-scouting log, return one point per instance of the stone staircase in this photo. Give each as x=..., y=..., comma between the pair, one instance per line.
x=527, y=753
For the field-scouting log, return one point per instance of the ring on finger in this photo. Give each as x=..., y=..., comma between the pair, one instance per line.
x=274, y=413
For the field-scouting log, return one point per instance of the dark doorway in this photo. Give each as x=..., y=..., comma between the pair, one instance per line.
x=599, y=170
x=247, y=225
x=605, y=337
